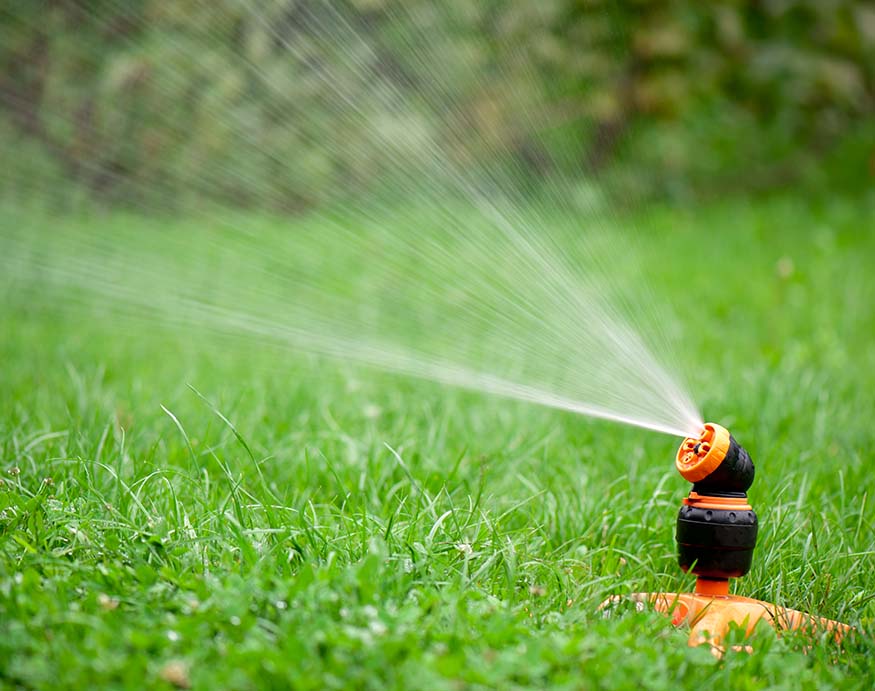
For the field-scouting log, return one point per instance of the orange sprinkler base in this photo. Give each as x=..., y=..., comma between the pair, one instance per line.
x=709, y=616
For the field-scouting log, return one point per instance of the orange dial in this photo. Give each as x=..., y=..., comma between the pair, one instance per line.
x=700, y=456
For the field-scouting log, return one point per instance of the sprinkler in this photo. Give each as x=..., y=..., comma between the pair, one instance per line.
x=716, y=527
x=716, y=535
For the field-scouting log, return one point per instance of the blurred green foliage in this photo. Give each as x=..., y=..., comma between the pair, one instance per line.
x=247, y=103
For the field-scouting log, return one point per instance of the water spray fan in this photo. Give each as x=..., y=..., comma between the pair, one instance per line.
x=716, y=536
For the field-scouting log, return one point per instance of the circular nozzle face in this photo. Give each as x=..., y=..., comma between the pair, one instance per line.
x=700, y=456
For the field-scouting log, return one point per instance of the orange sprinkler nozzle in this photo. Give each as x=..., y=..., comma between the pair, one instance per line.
x=715, y=463
x=700, y=456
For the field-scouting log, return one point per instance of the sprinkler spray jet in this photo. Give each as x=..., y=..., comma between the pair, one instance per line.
x=716, y=536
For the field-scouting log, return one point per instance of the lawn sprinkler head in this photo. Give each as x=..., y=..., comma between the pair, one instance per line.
x=716, y=535
x=716, y=527
x=715, y=463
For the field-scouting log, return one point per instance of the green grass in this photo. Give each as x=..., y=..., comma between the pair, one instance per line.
x=289, y=522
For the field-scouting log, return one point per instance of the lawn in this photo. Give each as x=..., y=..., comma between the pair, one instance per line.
x=176, y=512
